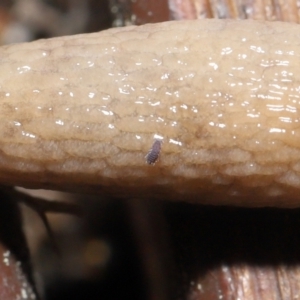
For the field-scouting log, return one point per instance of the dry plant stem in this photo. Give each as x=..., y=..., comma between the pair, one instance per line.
x=46, y=206
x=248, y=282
x=230, y=253
x=149, y=11
x=16, y=265
x=14, y=283
x=236, y=9
x=81, y=112
x=42, y=206
x=152, y=238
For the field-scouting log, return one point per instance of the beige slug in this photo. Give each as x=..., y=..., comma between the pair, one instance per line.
x=81, y=112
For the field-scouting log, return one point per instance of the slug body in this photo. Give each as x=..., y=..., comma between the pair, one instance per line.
x=79, y=112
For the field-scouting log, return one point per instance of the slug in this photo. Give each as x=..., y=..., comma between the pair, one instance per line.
x=81, y=112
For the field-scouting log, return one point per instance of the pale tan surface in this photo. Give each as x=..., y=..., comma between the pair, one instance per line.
x=81, y=112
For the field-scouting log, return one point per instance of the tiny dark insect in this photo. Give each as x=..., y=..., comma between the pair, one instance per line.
x=153, y=154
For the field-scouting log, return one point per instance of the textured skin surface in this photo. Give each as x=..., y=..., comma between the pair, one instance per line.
x=82, y=112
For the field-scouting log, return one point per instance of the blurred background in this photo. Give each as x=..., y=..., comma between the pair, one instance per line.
x=153, y=250
x=26, y=20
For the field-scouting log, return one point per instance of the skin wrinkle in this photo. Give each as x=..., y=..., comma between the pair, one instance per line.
x=81, y=112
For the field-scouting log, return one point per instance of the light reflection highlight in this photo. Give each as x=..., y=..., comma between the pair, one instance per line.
x=23, y=69
x=285, y=119
x=277, y=130
x=175, y=142
x=27, y=134
x=59, y=122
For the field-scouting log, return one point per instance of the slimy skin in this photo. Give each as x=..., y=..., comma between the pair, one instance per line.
x=81, y=112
